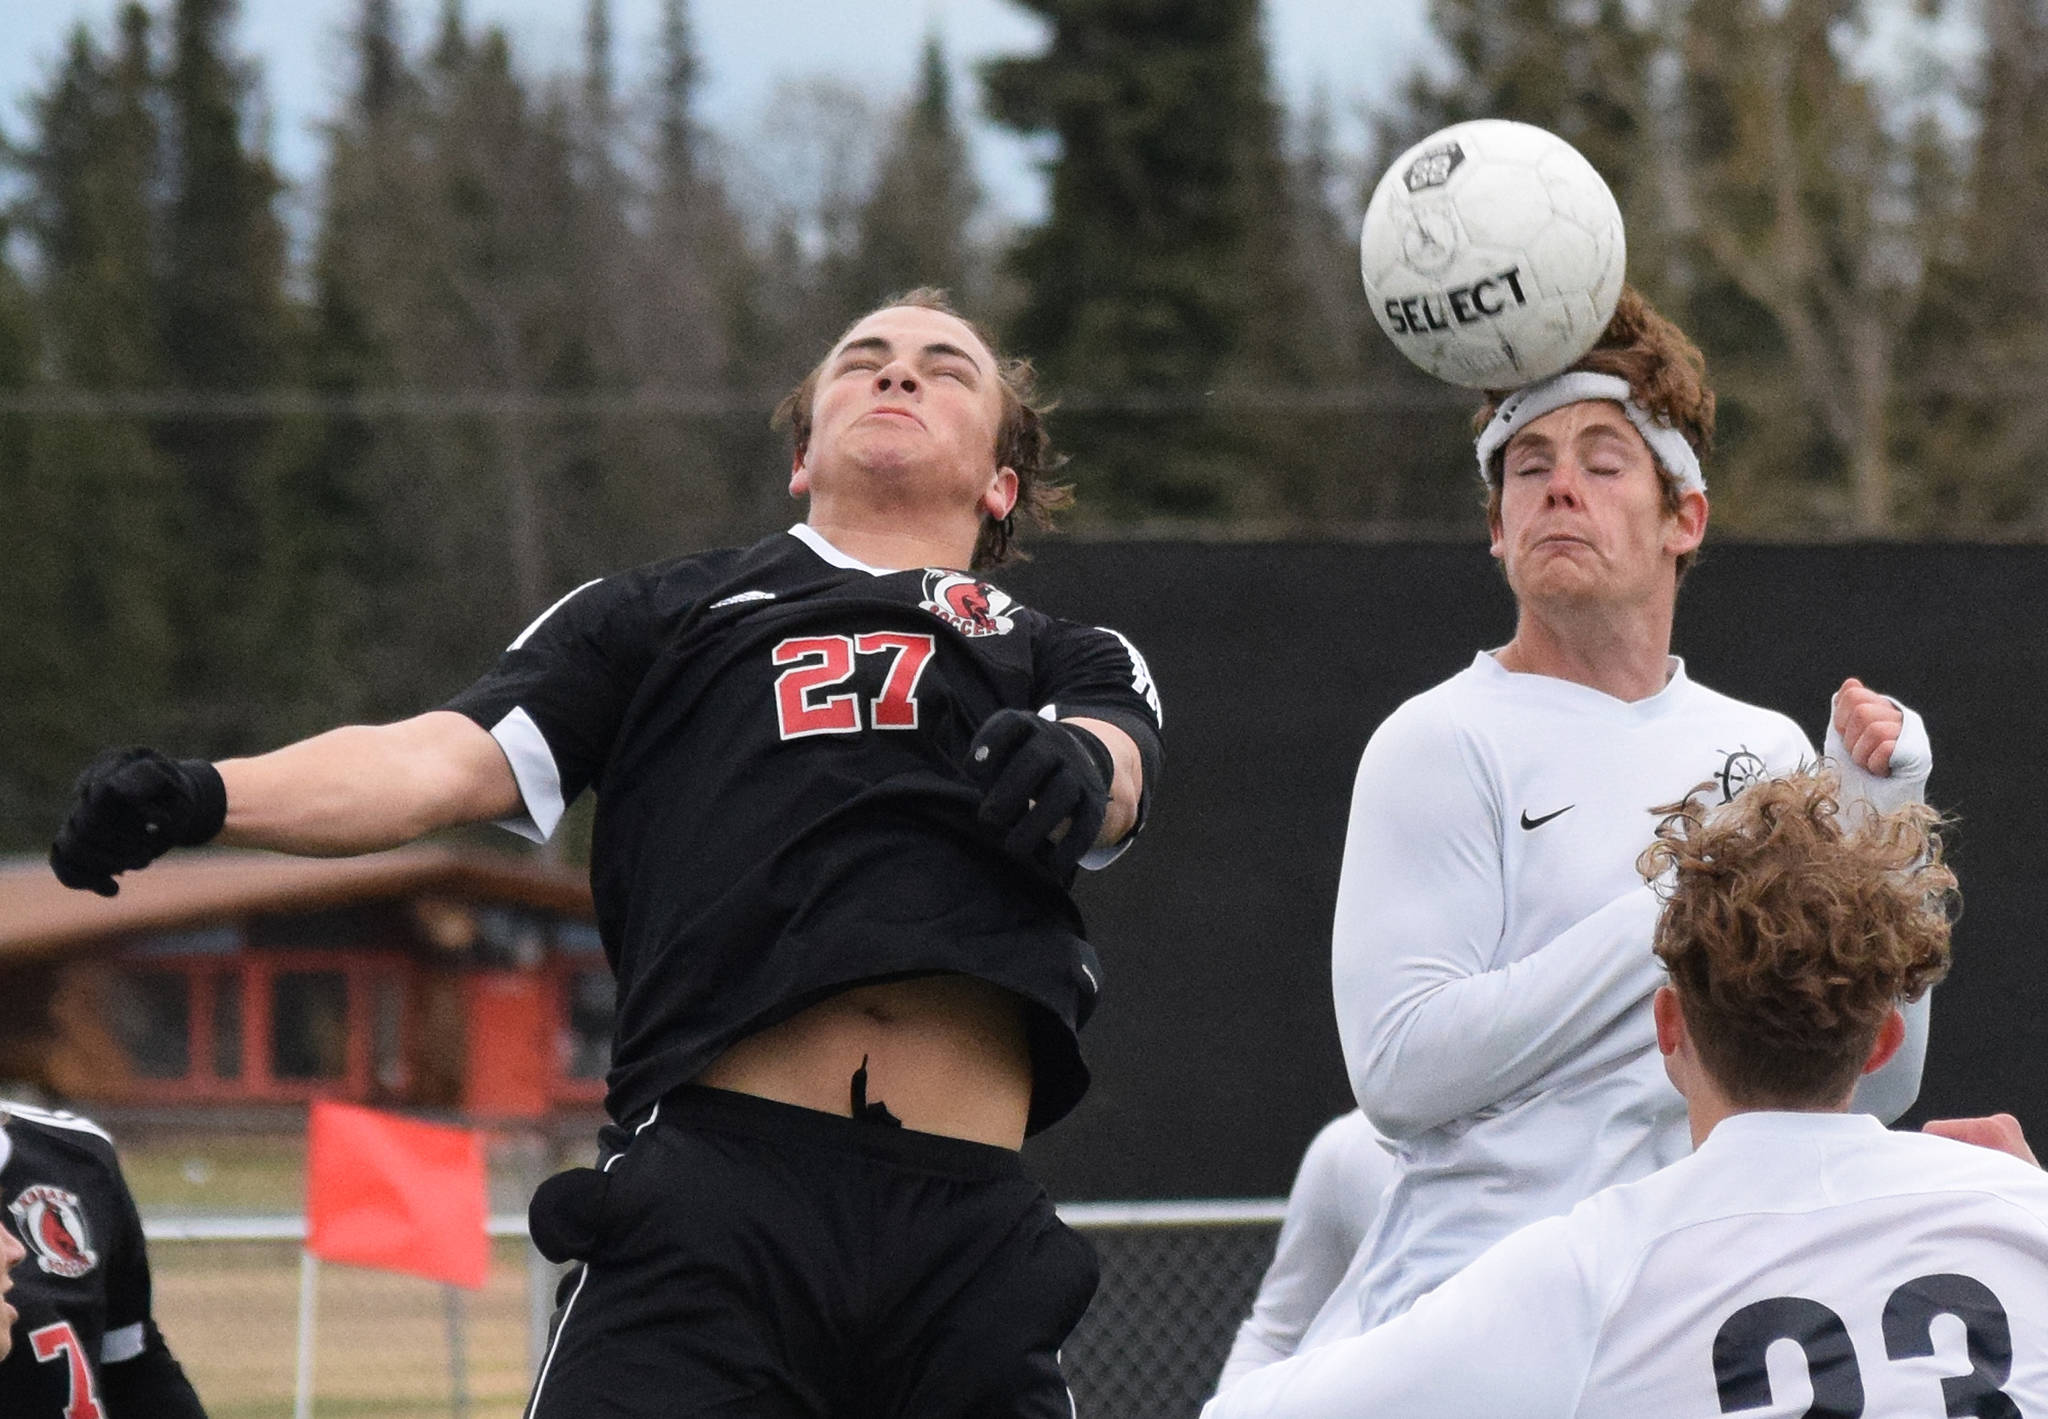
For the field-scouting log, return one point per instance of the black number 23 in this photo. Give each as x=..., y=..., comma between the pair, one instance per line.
x=1739, y=1348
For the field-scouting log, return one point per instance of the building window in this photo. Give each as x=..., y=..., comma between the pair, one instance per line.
x=387, y=1035
x=227, y=1026
x=308, y=1025
x=592, y=1001
x=151, y=1015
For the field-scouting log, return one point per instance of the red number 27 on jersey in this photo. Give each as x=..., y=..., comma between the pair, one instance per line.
x=807, y=695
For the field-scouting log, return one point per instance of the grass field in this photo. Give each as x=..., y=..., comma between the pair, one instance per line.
x=230, y=1309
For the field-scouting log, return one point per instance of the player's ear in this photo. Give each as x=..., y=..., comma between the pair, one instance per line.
x=1681, y=1063
x=1000, y=497
x=1664, y=1008
x=1890, y=1035
x=799, y=476
x=1688, y=524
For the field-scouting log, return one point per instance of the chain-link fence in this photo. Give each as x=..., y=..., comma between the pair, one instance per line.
x=1176, y=1279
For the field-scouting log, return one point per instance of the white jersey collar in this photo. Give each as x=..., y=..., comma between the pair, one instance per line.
x=815, y=540
x=1773, y=1125
x=1675, y=683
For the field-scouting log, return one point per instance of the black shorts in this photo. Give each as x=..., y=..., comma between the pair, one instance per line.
x=743, y=1257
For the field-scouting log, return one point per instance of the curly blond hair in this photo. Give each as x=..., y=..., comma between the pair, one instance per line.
x=1666, y=373
x=1790, y=932
x=1023, y=443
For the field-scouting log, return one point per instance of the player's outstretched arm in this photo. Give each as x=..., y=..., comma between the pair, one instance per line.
x=350, y=790
x=365, y=787
x=1432, y=1029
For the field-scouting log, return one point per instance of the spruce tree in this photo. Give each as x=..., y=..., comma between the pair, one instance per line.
x=701, y=338
x=599, y=86
x=87, y=549
x=92, y=170
x=380, y=59
x=1145, y=280
x=228, y=332
x=677, y=135
x=1976, y=345
x=357, y=554
x=913, y=228
x=718, y=326
x=1788, y=180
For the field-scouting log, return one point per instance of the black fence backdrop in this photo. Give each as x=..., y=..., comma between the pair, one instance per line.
x=1214, y=1048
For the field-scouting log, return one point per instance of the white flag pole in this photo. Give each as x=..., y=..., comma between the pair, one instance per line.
x=458, y=1350
x=309, y=1294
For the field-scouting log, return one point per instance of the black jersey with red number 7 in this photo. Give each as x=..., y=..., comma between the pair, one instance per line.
x=775, y=736
x=86, y=1342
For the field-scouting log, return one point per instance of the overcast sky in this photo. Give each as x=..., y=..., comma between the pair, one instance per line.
x=1354, y=49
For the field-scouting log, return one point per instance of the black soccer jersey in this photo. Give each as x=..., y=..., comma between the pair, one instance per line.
x=85, y=1343
x=775, y=735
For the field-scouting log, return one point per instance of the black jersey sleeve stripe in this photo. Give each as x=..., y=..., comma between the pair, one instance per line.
x=538, y=775
x=1142, y=682
x=538, y=621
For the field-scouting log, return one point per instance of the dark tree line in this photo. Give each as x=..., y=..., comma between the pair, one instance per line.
x=259, y=481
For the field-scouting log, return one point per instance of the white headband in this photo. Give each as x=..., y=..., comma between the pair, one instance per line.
x=1532, y=401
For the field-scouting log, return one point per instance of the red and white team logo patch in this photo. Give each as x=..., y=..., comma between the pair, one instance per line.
x=52, y=1223
x=973, y=608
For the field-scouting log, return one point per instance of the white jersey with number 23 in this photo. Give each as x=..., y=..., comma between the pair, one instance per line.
x=1797, y=1264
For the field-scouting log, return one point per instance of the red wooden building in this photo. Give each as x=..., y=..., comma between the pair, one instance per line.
x=428, y=977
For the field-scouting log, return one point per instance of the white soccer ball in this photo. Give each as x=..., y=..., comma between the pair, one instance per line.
x=1492, y=254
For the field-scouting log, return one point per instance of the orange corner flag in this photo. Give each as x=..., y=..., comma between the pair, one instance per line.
x=386, y=1192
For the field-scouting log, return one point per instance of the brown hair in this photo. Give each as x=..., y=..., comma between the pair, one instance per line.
x=1790, y=933
x=1666, y=373
x=1023, y=444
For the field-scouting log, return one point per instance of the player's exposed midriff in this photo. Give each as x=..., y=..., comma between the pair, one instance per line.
x=946, y=1053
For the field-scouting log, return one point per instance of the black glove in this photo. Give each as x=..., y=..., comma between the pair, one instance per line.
x=1036, y=774
x=130, y=807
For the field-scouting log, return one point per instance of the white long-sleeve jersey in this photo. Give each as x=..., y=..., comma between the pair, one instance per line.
x=1796, y=1264
x=1491, y=952
x=1336, y=1194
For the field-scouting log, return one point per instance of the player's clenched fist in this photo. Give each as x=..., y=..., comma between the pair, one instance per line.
x=1869, y=725
x=129, y=808
x=1037, y=774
